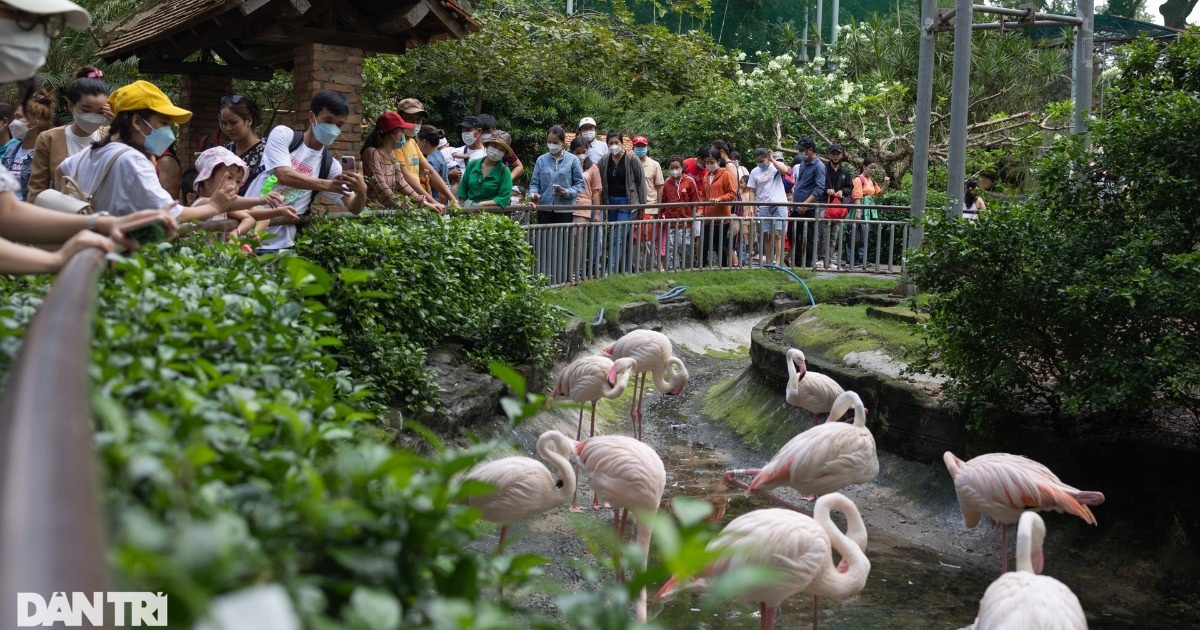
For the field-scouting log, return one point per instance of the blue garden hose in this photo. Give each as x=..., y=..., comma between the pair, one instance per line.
x=599, y=318
x=796, y=278
x=674, y=292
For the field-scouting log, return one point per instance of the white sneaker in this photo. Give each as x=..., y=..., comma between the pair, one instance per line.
x=820, y=265
x=833, y=267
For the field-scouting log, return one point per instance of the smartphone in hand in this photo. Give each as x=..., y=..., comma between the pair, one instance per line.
x=150, y=233
x=347, y=162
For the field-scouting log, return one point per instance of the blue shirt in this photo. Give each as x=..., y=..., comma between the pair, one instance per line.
x=810, y=180
x=437, y=161
x=564, y=171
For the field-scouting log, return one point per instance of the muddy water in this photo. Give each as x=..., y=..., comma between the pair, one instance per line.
x=927, y=570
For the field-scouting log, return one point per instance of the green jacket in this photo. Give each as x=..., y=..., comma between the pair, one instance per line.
x=497, y=186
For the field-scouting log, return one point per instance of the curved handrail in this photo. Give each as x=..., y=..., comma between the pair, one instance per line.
x=51, y=523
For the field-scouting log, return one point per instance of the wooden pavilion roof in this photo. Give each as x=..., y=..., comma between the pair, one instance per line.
x=255, y=37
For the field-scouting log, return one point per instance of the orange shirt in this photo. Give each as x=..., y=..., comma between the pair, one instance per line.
x=721, y=186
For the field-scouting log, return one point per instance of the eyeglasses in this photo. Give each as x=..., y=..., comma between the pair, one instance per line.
x=52, y=25
x=231, y=99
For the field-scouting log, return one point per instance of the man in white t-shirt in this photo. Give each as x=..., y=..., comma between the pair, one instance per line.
x=297, y=171
x=597, y=148
x=766, y=180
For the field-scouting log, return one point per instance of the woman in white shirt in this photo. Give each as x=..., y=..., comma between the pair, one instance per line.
x=117, y=172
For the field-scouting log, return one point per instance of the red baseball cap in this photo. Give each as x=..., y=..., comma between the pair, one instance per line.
x=640, y=140
x=391, y=121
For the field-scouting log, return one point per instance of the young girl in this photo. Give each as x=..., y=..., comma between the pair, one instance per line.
x=218, y=166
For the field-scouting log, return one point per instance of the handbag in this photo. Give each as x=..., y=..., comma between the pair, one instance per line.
x=72, y=199
x=835, y=213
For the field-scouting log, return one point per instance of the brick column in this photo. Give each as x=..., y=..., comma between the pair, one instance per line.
x=337, y=68
x=201, y=95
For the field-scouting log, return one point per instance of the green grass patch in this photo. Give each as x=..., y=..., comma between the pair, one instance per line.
x=706, y=289
x=759, y=415
x=834, y=331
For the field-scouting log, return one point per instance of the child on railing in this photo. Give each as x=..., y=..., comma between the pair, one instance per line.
x=218, y=165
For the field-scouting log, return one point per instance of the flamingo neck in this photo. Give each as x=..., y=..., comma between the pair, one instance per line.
x=841, y=582
x=860, y=415
x=619, y=386
x=550, y=452
x=664, y=380
x=1029, y=545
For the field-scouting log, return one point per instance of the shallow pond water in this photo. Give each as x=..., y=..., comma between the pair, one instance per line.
x=927, y=570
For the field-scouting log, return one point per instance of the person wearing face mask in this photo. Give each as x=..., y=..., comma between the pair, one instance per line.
x=678, y=188
x=412, y=162
x=651, y=235
x=428, y=139
x=557, y=180
x=26, y=27
x=6, y=117
x=718, y=186
x=588, y=239
x=597, y=148
x=238, y=117
x=864, y=194
x=487, y=183
x=766, y=180
x=87, y=101
x=386, y=185
x=300, y=167
x=37, y=115
x=624, y=183
x=839, y=185
x=117, y=172
x=471, y=132
x=809, y=175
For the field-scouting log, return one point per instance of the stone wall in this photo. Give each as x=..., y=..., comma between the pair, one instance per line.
x=202, y=96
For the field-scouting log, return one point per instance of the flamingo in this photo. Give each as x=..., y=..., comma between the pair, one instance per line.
x=1024, y=599
x=653, y=353
x=631, y=476
x=798, y=546
x=822, y=459
x=811, y=391
x=1002, y=486
x=524, y=486
x=588, y=380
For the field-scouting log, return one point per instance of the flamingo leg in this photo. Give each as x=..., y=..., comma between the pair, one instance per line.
x=633, y=406
x=592, y=431
x=1003, y=548
x=641, y=403
x=500, y=545
x=767, y=615
x=579, y=427
x=816, y=612
x=617, y=550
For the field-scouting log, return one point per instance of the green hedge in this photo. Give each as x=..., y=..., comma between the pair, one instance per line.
x=465, y=279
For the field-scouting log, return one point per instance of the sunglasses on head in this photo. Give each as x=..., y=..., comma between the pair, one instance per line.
x=233, y=99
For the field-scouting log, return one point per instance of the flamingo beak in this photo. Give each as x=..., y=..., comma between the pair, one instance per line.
x=612, y=376
x=668, y=589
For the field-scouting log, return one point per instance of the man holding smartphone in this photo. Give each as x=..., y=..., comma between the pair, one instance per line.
x=299, y=167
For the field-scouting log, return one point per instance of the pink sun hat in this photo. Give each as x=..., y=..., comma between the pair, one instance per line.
x=210, y=159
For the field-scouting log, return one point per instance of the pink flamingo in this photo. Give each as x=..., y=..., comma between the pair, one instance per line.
x=588, y=380
x=823, y=459
x=524, y=486
x=653, y=353
x=799, y=547
x=1002, y=486
x=631, y=476
x=809, y=390
x=1024, y=599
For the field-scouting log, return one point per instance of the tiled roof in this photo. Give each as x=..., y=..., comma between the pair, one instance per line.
x=156, y=19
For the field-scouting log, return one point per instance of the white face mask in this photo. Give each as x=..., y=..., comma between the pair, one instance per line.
x=411, y=133
x=494, y=154
x=18, y=128
x=676, y=173
x=589, y=135
x=89, y=122
x=711, y=167
x=468, y=138
x=614, y=148
x=23, y=51
x=554, y=149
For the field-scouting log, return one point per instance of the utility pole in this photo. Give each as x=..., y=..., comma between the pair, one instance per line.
x=570, y=7
x=1082, y=75
x=834, y=25
x=820, y=4
x=959, y=101
x=804, y=34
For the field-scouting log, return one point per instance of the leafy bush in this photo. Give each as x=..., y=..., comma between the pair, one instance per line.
x=1085, y=298
x=434, y=280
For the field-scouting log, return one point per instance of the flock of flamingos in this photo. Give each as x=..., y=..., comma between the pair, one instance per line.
x=822, y=460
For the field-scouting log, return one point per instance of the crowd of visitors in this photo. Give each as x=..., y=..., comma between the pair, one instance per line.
x=117, y=159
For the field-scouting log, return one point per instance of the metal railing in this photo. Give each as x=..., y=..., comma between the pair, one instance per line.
x=605, y=243
x=51, y=523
